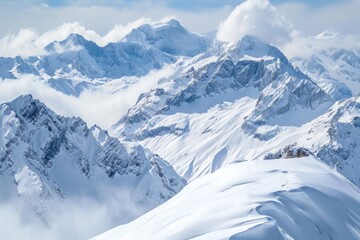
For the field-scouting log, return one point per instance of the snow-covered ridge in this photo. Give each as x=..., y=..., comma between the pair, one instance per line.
x=230, y=99
x=145, y=48
x=226, y=116
x=274, y=199
x=250, y=66
x=337, y=71
x=45, y=157
x=170, y=37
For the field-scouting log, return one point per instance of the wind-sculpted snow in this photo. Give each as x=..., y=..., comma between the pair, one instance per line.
x=296, y=198
x=46, y=159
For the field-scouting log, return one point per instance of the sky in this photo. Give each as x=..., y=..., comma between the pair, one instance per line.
x=298, y=28
x=26, y=26
x=29, y=25
x=198, y=15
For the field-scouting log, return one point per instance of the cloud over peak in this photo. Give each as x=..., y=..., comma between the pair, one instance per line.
x=29, y=42
x=258, y=18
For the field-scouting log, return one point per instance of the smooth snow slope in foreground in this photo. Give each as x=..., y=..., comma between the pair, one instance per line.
x=299, y=198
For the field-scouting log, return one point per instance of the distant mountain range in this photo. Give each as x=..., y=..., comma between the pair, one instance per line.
x=245, y=131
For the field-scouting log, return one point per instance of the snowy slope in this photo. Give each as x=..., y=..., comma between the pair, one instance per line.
x=200, y=143
x=45, y=158
x=249, y=64
x=295, y=198
x=245, y=94
x=337, y=71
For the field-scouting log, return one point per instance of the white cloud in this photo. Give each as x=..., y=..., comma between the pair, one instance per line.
x=258, y=18
x=107, y=22
x=24, y=43
x=63, y=31
x=120, y=30
x=28, y=42
x=255, y=17
x=306, y=46
x=340, y=16
x=331, y=26
x=94, y=106
x=76, y=217
x=103, y=18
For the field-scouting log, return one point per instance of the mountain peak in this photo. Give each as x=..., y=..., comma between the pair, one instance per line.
x=173, y=23
x=22, y=100
x=72, y=42
x=75, y=38
x=169, y=37
x=252, y=47
x=251, y=41
x=29, y=108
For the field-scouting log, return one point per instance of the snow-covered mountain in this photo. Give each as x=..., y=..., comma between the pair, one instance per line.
x=74, y=64
x=112, y=61
x=245, y=94
x=250, y=65
x=222, y=114
x=169, y=37
x=295, y=198
x=335, y=70
x=45, y=157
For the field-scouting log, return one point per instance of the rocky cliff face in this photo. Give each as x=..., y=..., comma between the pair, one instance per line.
x=336, y=71
x=249, y=67
x=44, y=157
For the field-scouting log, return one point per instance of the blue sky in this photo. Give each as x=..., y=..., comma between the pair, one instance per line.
x=177, y=4
x=309, y=16
x=188, y=4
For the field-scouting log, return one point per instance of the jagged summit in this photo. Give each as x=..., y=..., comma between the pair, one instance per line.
x=252, y=48
x=75, y=38
x=25, y=106
x=205, y=106
x=335, y=70
x=74, y=42
x=170, y=37
x=162, y=25
x=22, y=99
x=249, y=64
x=144, y=49
x=60, y=157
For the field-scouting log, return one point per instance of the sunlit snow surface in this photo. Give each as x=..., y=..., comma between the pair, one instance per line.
x=214, y=110
x=299, y=198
